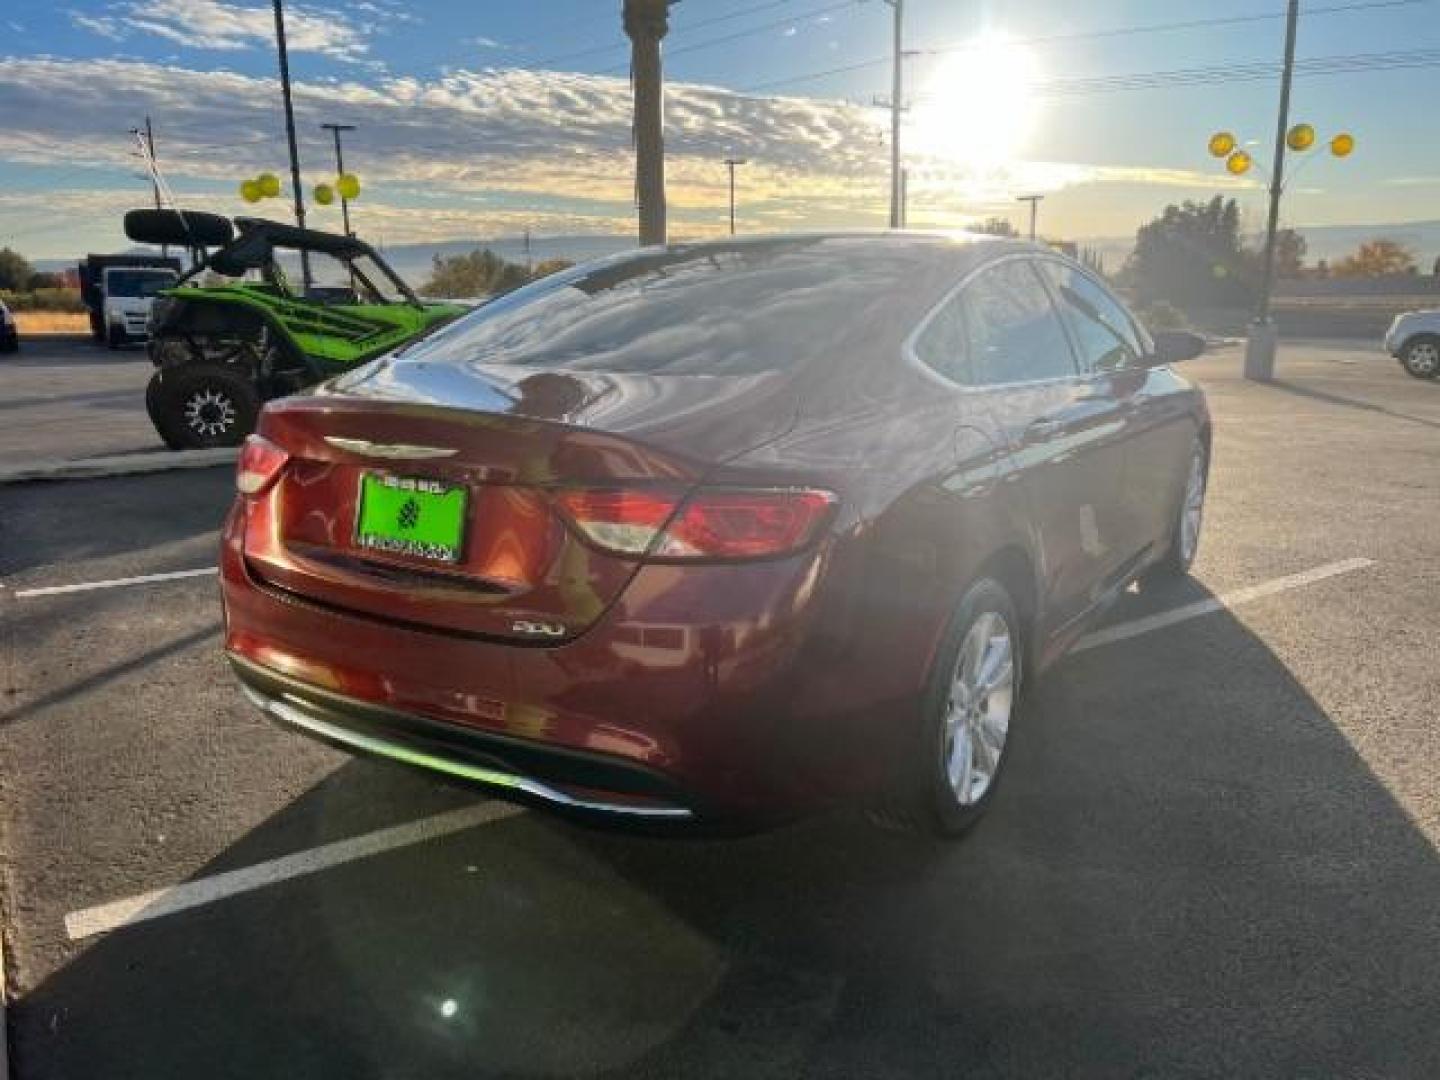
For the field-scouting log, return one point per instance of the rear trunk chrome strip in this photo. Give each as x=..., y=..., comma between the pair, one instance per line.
x=288, y=714
x=391, y=451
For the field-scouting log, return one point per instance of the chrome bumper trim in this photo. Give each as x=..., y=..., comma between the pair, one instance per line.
x=288, y=713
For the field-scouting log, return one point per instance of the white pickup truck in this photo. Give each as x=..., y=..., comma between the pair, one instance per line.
x=1414, y=340
x=119, y=290
x=129, y=294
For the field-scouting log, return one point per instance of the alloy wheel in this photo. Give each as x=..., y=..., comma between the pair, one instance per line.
x=977, y=719
x=1192, y=513
x=210, y=412
x=1423, y=359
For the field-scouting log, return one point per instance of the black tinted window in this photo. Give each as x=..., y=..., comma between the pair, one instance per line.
x=716, y=310
x=1103, y=331
x=1012, y=330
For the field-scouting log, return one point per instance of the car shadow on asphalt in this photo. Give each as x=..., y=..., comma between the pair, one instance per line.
x=1188, y=871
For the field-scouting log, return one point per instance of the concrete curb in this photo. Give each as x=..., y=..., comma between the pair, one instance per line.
x=116, y=465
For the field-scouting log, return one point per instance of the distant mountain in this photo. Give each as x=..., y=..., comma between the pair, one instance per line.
x=413, y=260
x=1328, y=242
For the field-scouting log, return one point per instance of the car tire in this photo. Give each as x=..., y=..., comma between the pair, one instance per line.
x=1421, y=357
x=199, y=406
x=1185, y=529
x=9, y=345
x=116, y=338
x=951, y=769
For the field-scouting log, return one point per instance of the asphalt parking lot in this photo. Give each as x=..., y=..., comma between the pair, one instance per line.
x=1215, y=853
x=63, y=398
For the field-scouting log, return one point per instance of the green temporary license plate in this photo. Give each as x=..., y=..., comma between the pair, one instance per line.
x=421, y=518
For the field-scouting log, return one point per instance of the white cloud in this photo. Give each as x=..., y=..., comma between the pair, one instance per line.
x=104, y=25
x=504, y=148
x=228, y=27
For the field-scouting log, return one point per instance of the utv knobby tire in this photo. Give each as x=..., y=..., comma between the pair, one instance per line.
x=199, y=406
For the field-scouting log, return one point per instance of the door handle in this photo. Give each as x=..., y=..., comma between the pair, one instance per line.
x=1047, y=427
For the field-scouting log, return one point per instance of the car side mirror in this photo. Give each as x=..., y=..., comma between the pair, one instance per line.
x=1174, y=346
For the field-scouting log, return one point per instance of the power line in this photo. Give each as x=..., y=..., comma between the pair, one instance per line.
x=1120, y=31
x=739, y=34
x=595, y=50
x=1188, y=24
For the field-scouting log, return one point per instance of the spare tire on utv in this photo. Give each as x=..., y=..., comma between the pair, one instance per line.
x=197, y=406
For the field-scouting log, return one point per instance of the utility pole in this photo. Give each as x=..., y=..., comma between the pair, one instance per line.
x=290, y=134
x=1034, y=201
x=646, y=24
x=730, y=164
x=150, y=145
x=336, y=129
x=152, y=167
x=1261, y=343
x=897, y=92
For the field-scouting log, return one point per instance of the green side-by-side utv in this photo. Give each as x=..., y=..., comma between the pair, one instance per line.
x=222, y=348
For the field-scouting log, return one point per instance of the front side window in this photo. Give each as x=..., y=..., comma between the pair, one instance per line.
x=1012, y=331
x=1104, y=333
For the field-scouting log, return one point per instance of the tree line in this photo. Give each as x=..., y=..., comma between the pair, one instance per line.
x=482, y=273
x=1193, y=255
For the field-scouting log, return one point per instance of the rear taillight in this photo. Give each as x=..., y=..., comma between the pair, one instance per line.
x=712, y=523
x=259, y=464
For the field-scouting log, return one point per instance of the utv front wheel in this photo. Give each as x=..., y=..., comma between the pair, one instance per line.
x=199, y=406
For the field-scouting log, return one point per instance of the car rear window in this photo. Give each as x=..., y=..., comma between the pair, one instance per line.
x=743, y=309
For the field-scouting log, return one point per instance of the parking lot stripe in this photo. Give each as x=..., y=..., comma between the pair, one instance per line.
x=191, y=894
x=114, y=583
x=1185, y=612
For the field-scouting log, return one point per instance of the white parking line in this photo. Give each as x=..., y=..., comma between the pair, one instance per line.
x=1162, y=619
x=115, y=583
x=207, y=890
x=191, y=894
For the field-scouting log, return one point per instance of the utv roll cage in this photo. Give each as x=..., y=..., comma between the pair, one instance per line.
x=251, y=245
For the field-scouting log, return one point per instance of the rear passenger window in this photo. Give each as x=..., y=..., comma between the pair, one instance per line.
x=941, y=344
x=1104, y=332
x=1012, y=331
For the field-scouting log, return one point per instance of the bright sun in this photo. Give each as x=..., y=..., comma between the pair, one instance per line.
x=978, y=106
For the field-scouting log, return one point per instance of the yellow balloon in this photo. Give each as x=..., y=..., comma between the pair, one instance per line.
x=1300, y=137
x=348, y=185
x=1342, y=145
x=1221, y=143
x=324, y=194
x=269, y=184
x=250, y=191
x=1238, y=163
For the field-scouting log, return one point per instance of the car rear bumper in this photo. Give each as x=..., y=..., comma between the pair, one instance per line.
x=558, y=777
x=660, y=710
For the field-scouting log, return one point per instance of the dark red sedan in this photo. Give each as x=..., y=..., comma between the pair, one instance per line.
x=718, y=531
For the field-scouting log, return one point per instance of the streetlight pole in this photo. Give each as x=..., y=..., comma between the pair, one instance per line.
x=1260, y=345
x=290, y=133
x=1034, y=201
x=336, y=129
x=730, y=164
x=897, y=91
x=646, y=24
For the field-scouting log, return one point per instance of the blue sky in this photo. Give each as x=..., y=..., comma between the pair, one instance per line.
x=481, y=119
